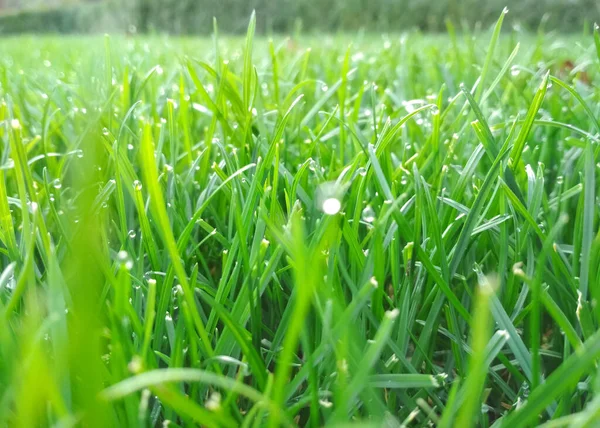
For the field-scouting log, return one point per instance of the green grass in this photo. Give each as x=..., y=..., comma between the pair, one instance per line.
x=386, y=230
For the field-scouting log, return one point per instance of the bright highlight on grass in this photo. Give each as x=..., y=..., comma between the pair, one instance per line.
x=331, y=206
x=173, y=250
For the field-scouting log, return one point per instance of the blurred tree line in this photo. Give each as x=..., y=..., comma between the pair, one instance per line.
x=284, y=16
x=195, y=16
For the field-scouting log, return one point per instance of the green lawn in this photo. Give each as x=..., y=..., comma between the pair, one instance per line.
x=381, y=229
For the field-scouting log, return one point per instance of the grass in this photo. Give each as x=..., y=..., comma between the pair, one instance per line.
x=246, y=232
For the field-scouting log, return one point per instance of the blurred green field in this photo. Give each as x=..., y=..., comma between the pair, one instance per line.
x=370, y=230
x=289, y=16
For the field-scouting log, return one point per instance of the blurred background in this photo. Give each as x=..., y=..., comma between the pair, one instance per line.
x=284, y=16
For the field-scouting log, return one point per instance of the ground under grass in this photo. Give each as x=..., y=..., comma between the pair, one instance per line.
x=400, y=231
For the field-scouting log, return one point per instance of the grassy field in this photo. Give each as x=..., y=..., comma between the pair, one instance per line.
x=393, y=230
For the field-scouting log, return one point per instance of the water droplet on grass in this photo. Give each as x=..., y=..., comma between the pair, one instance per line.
x=368, y=215
x=331, y=206
x=12, y=283
x=329, y=197
x=125, y=260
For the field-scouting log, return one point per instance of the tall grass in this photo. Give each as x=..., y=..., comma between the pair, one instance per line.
x=397, y=231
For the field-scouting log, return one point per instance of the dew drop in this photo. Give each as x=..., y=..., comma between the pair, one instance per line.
x=125, y=260
x=331, y=206
x=329, y=197
x=368, y=215
x=12, y=283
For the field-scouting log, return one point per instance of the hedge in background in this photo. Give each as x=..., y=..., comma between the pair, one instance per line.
x=79, y=18
x=195, y=16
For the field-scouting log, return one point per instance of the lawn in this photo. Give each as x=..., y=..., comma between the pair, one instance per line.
x=385, y=230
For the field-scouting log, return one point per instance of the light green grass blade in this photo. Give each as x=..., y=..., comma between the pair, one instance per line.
x=473, y=386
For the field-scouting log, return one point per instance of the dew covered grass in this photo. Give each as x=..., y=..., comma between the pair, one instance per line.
x=394, y=230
